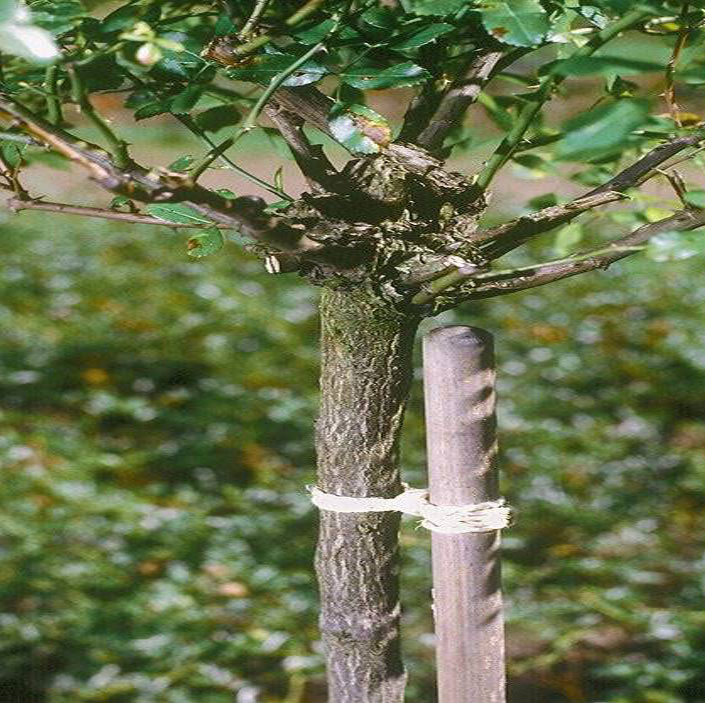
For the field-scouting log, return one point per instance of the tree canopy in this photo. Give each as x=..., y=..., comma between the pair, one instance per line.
x=306, y=72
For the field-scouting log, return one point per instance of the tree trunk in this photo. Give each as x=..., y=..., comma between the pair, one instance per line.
x=365, y=377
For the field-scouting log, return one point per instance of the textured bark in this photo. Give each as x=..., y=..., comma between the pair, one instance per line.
x=365, y=379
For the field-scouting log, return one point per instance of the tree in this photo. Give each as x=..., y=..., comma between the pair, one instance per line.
x=392, y=236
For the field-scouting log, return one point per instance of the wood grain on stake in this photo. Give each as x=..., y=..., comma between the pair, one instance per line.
x=459, y=393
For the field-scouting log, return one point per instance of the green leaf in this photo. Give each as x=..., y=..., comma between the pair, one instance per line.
x=541, y=201
x=278, y=179
x=224, y=26
x=604, y=65
x=12, y=154
x=696, y=198
x=263, y=68
x=439, y=8
x=123, y=18
x=215, y=118
x=359, y=129
x=120, y=201
x=151, y=110
x=424, y=36
x=601, y=131
x=399, y=76
x=186, y=100
x=319, y=32
x=380, y=18
x=140, y=97
x=182, y=164
x=594, y=15
x=675, y=246
x=276, y=206
x=567, y=237
x=181, y=66
x=206, y=243
x=57, y=16
x=515, y=22
x=177, y=213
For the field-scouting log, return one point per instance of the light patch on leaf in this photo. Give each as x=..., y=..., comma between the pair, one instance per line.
x=19, y=37
x=360, y=129
x=433, y=7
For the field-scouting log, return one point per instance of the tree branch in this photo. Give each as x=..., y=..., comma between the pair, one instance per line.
x=503, y=282
x=253, y=19
x=188, y=122
x=228, y=52
x=461, y=94
x=308, y=103
x=117, y=146
x=16, y=204
x=136, y=182
x=633, y=175
x=314, y=164
x=504, y=238
x=419, y=111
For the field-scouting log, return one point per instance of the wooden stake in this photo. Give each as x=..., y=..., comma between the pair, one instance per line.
x=459, y=388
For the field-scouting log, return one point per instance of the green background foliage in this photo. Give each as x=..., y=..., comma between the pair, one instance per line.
x=156, y=536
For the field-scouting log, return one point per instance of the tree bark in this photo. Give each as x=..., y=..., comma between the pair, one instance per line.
x=365, y=377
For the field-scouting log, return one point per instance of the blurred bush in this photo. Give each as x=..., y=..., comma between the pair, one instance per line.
x=156, y=540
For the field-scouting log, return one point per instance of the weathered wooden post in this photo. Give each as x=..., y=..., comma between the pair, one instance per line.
x=459, y=388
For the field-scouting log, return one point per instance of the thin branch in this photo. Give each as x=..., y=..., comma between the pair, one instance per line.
x=201, y=134
x=314, y=164
x=503, y=282
x=672, y=164
x=497, y=241
x=419, y=111
x=632, y=175
x=223, y=50
x=251, y=23
x=500, y=240
x=51, y=85
x=462, y=93
x=18, y=204
x=250, y=121
x=519, y=230
x=309, y=103
x=670, y=92
x=544, y=92
x=136, y=182
x=216, y=152
x=117, y=146
x=188, y=122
